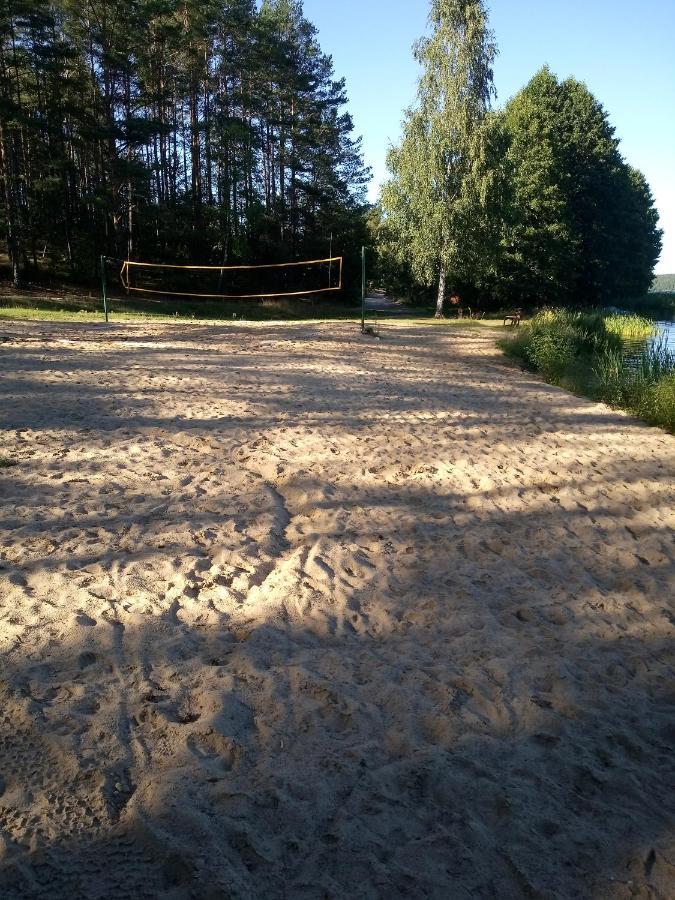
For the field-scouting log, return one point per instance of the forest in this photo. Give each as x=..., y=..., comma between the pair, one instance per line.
x=208, y=131
x=216, y=132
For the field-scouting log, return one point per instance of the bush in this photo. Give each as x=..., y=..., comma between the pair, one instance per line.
x=588, y=352
x=662, y=403
x=552, y=350
x=516, y=345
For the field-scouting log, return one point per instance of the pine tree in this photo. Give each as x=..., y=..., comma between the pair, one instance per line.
x=207, y=130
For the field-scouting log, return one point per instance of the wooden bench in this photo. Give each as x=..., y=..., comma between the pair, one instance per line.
x=514, y=318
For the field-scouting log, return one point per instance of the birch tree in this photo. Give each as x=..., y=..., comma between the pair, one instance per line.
x=437, y=199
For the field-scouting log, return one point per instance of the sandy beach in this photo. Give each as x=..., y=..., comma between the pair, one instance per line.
x=289, y=612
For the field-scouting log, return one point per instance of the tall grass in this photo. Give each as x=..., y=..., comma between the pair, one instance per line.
x=643, y=384
x=628, y=326
x=589, y=352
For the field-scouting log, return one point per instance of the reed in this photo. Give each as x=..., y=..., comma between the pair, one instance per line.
x=591, y=354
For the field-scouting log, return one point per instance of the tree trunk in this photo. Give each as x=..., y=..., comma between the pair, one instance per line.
x=207, y=130
x=282, y=174
x=13, y=244
x=195, y=151
x=293, y=198
x=441, y=295
x=130, y=185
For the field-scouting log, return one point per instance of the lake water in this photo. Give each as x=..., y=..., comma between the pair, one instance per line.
x=667, y=333
x=665, y=336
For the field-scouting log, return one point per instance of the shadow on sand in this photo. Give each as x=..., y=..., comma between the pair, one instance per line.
x=221, y=683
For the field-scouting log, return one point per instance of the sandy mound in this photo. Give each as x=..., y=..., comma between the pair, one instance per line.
x=291, y=613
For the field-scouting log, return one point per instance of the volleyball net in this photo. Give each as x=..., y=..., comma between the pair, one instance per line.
x=242, y=282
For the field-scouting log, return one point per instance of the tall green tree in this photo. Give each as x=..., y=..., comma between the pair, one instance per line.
x=437, y=200
x=203, y=130
x=582, y=226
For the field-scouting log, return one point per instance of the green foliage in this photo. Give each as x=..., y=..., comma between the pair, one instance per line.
x=588, y=352
x=582, y=227
x=661, y=404
x=193, y=130
x=655, y=305
x=388, y=268
x=553, y=343
x=644, y=385
x=538, y=246
x=532, y=205
x=437, y=201
x=573, y=333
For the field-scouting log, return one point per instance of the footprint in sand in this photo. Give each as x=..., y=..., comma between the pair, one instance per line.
x=215, y=749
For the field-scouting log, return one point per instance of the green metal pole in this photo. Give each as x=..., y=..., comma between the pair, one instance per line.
x=330, y=264
x=363, y=288
x=103, y=288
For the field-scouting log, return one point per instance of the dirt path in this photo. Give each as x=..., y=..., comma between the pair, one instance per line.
x=379, y=302
x=288, y=612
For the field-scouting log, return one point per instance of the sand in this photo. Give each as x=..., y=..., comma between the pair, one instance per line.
x=288, y=612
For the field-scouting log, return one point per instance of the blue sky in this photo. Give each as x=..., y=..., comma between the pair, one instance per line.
x=624, y=51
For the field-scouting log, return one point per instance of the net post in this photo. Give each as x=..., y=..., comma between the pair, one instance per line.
x=363, y=289
x=103, y=288
x=330, y=262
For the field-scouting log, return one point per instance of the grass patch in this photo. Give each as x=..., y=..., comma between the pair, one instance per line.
x=628, y=326
x=588, y=353
x=319, y=314
x=83, y=308
x=6, y=463
x=644, y=384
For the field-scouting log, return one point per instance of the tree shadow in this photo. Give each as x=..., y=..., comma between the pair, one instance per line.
x=110, y=378
x=206, y=761
x=252, y=656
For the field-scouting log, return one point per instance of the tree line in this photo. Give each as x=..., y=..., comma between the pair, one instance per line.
x=532, y=203
x=171, y=130
x=665, y=283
